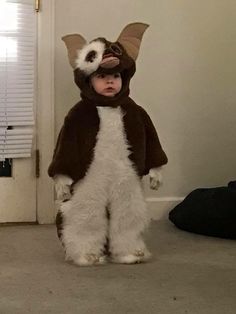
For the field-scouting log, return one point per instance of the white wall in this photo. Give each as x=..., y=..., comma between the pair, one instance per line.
x=185, y=79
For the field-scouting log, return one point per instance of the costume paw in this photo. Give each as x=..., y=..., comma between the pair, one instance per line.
x=62, y=187
x=155, y=178
x=137, y=257
x=90, y=259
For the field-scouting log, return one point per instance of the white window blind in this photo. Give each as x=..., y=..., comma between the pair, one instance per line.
x=17, y=77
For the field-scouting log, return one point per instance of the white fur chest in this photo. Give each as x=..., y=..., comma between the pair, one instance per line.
x=111, y=164
x=111, y=147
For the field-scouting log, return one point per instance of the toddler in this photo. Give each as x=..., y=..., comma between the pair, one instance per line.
x=106, y=145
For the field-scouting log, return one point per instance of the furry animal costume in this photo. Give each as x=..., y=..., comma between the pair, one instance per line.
x=105, y=147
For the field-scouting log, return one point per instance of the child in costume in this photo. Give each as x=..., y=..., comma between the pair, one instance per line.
x=106, y=145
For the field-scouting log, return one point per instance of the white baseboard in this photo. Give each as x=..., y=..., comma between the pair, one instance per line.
x=159, y=207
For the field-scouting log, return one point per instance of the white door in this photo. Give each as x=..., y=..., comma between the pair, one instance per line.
x=23, y=197
x=18, y=98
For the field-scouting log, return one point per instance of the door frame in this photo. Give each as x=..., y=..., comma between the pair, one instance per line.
x=45, y=114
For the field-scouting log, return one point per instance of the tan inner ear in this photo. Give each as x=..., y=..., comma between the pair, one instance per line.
x=74, y=42
x=130, y=38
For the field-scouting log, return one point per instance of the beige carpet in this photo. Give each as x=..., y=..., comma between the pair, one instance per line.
x=189, y=274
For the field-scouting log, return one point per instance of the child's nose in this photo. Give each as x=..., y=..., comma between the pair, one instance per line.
x=109, y=79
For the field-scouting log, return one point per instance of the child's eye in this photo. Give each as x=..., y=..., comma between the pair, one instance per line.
x=116, y=75
x=101, y=76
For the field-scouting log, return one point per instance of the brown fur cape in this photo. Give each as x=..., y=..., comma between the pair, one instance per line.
x=77, y=139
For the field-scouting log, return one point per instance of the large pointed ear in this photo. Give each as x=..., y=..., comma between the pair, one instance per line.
x=131, y=37
x=74, y=42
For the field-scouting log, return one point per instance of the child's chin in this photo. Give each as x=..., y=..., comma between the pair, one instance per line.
x=108, y=94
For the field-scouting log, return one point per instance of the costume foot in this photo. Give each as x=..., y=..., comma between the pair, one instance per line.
x=139, y=256
x=90, y=259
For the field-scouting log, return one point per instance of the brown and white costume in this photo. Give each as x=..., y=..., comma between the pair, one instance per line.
x=104, y=148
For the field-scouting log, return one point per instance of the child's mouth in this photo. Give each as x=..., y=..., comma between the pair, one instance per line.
x=109, y=89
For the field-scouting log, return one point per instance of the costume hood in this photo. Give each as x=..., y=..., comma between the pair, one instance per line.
x=103, y=56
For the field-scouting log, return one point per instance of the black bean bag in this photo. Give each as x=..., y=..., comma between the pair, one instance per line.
x=208, y=211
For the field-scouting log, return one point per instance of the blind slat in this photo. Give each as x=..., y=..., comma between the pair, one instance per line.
x=15, y=92
x=6, y=155
x=16, y=146
x=15, y=118
x=16, y=114
x=16, y=137
x=15, y=151
x=16, y=123
x=16, y=98
x=13, y=106
x=15, y=141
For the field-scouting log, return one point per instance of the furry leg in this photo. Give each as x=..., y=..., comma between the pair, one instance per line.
x=84, y=228
x=129, y=219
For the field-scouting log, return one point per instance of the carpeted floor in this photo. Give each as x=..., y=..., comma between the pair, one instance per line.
x=190, y=274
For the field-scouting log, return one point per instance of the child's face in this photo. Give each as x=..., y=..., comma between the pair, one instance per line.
x=107, y=84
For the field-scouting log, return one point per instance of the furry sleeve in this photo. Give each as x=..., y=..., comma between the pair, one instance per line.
x=74, y=149
x=63, y=160
x=155, y=156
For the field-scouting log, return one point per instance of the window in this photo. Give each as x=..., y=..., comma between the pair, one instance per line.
x=17, y=77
